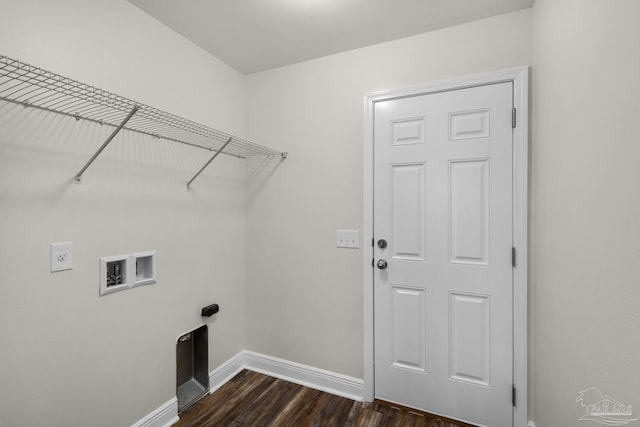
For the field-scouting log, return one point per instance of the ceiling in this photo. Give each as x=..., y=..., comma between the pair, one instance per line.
x=257, y=35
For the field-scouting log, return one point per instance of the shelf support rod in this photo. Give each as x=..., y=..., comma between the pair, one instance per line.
x=207, y=164
x=104, y=145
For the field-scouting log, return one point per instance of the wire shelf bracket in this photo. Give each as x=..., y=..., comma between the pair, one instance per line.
x=34, y=87
x=104, y=145
x=207, y=164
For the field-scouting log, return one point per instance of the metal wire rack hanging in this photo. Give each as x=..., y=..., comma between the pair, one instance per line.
x=35, y=87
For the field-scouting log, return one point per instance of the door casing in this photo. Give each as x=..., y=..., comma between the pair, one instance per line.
x=520, y=78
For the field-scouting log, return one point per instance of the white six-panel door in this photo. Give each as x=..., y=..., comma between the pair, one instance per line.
x=443, y=321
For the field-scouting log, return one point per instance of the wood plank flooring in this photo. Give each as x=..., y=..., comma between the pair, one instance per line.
x=253, y=399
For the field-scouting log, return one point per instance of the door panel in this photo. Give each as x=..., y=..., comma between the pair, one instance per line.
x=408, y=347
x=469, y=211
x=407, y=216
x=443, y=200
x=469, y=344
x=408, y=131
x=469, y=124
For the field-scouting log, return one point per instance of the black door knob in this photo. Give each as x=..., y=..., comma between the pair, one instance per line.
x=382, y=264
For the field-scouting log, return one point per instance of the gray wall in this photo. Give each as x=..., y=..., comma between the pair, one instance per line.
x=67, y=356
x=585, y=210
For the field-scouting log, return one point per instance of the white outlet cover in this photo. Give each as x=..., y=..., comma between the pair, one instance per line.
x=61, y=256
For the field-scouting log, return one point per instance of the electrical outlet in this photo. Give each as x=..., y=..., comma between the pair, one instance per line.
x=348, y=239
x=61, y=256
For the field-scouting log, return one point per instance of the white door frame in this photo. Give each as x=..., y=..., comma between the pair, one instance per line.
x=520, y=78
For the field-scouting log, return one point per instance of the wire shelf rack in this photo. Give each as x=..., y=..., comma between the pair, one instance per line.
x=35, y=87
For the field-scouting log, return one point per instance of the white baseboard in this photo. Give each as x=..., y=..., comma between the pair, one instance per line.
x=164, y=416
x=308, y=376
x=223, y=373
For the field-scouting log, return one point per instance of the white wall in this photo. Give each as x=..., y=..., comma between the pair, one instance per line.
x=304, y=296
x=67, y=356
x=585, y=237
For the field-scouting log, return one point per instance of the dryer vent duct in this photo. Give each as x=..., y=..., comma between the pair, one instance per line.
x=192, y=357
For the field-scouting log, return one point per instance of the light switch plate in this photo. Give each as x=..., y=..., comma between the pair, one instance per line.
x=61, y=256
x=348, y=239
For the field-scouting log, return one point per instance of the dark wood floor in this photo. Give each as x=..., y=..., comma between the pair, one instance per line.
x=253, y=399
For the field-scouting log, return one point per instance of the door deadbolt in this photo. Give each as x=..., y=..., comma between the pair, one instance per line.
x=382, y=264
x=382, y=243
